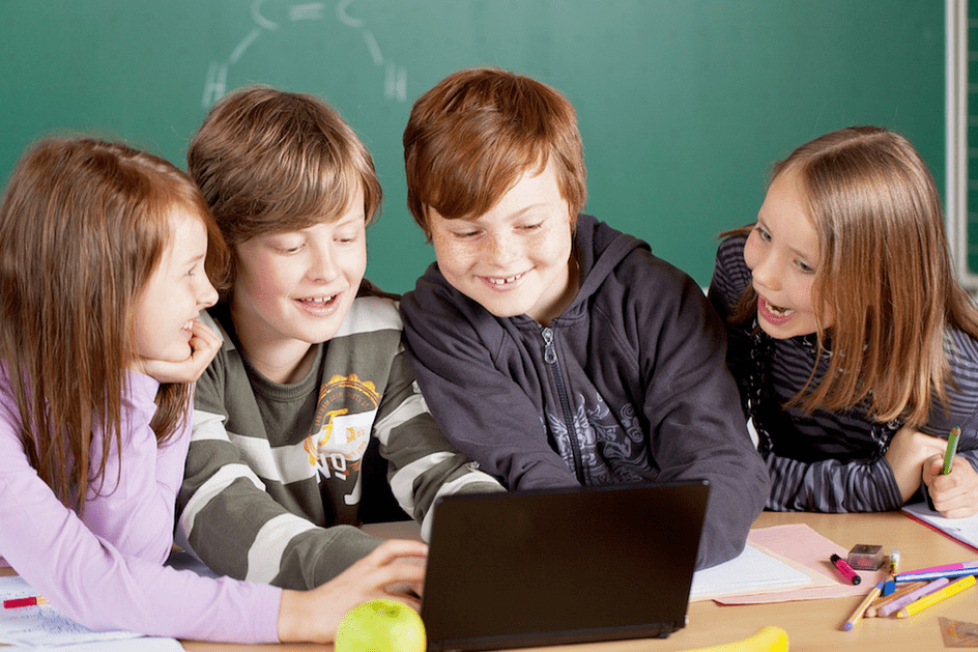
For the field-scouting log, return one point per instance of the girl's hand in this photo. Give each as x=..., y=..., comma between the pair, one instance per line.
x=391, y=571
x=954, y=495
x=204, y=345
x=908, y=451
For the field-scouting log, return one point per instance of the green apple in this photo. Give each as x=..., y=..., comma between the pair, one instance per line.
x=381, y=626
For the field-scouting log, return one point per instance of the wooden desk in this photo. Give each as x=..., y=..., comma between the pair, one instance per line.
x=813, y=625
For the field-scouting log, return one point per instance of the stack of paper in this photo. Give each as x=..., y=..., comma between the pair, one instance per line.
x=45, y=627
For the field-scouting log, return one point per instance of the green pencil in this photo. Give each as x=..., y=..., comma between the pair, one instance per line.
x=952, y=445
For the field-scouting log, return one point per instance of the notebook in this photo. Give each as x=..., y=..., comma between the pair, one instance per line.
x=552, y=567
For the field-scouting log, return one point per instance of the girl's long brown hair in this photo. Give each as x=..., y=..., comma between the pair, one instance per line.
x=884, y=272
x=83, y=225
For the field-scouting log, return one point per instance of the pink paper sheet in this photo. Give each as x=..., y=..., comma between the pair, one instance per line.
x=802, y=544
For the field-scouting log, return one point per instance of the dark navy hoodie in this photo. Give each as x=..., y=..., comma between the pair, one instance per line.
x=628, y=384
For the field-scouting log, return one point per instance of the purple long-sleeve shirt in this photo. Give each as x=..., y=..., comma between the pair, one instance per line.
x=105, y=569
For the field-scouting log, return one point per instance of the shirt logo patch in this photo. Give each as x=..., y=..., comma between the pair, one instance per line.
x=341, y=429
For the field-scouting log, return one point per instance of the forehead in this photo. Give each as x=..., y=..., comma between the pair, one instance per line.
x=533, y=190
x=187, y=235
x=785, y=213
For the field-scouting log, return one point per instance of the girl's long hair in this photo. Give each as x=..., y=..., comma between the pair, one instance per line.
x=885, y=273
x=83, y=225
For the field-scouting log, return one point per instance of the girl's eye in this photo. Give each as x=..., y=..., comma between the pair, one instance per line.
x=531, y=227
x=465, y=234
x=764, y=235
x=805, y=267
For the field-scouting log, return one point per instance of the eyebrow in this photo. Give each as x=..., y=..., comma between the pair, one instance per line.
x=183, y=262
x=514, y=216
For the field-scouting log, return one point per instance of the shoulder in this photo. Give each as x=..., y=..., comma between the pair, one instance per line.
x=436, y=314
x=370, y=314
x=731, y=276
x=962, y=353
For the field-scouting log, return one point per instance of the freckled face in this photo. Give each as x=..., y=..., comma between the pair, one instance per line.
x=783, y=254
x=515, y=258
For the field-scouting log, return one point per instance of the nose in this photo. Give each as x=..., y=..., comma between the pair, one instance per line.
x=767, y=272
x=502, y=249
x=322, y=266
x=206, y=295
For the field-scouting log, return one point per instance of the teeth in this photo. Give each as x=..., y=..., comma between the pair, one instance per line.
x=504, y=281
x=319, y=299
x=778, y=311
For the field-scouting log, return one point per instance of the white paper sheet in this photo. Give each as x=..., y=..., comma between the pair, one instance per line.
x=45, y=627
x=752, y=571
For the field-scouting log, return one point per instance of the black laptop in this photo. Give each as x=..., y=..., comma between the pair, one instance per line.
x=536, y=568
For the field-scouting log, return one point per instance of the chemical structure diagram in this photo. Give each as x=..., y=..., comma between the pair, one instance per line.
x=395, y=76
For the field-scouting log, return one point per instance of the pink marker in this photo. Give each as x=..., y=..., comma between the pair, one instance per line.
x=843, y=567
x=947, y=567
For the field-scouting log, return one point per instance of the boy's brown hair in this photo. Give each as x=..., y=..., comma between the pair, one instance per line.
x=471, y=137
x=270, y=161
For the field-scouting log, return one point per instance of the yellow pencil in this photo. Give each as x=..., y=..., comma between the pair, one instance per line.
x=937, y=596
x=857, y=615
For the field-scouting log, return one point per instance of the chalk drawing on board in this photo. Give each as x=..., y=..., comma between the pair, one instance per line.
x=394, y=76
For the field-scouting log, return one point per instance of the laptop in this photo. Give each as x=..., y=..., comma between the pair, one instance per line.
x=560, y=566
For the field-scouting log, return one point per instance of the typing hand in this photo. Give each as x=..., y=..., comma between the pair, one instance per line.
x=395, y=570
x=908, y=451
x=204, y=345
x=954, y=495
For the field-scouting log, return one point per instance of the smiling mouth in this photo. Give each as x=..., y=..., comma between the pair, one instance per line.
x=321, y=306
x=775, y=314
x=502, y=281
x=778, y=311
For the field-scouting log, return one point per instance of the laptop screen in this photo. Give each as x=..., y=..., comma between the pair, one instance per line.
x=561, y=566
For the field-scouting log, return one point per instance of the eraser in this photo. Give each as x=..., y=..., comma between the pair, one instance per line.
x=866, y=557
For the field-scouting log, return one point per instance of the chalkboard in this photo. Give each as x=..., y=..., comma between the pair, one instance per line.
x=683, y=104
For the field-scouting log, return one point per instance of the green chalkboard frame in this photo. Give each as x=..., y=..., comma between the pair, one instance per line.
x=683, y=104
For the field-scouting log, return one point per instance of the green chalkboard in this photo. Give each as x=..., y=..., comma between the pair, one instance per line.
x=683, y=104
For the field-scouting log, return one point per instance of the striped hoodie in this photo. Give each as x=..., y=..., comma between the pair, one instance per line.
x=273, y=484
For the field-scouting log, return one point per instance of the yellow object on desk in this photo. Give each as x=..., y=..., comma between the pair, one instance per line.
x=955, y=587
x=766, y=639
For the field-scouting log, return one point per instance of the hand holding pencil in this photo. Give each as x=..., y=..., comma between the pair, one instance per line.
x=955, y=493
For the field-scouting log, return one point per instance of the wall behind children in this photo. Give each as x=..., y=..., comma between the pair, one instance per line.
x=683, y=104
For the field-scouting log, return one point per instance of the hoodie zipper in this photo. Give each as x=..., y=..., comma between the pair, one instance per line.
x=550, y=357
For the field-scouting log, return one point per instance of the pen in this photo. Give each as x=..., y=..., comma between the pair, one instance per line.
x=857, y=615
x=952, y=445
x=933, y=575
x=24, y=602
x=937, y=596
x=890, y=585
x=916, y=594
x=946, y=567
x=843, y=567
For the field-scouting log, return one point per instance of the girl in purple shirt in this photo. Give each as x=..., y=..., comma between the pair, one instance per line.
x=106, y=260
